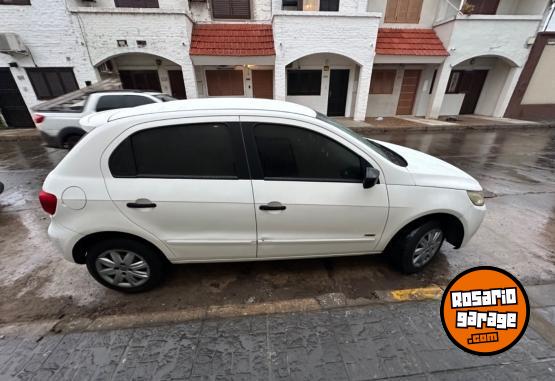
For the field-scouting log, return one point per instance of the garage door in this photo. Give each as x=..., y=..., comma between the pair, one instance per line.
x=223, y=83
x=12, y=105
x=263, y=83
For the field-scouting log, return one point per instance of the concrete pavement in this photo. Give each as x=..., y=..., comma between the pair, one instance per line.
x=383, y=341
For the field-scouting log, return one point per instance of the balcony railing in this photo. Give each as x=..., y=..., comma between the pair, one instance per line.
x=310, y=5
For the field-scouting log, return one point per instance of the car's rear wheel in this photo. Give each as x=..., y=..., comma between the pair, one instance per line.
x=71, y=140
x=416, y=247
x=125, y=265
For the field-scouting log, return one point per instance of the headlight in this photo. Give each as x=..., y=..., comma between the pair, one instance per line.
x=477, y=198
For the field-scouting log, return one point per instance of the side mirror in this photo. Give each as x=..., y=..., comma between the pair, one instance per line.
x=371, y=177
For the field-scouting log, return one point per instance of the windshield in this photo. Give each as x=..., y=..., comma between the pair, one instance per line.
x=165, y=97
x=387, y=153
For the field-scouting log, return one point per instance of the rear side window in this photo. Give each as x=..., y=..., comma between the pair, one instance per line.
x=293, y=153
x=111, y=102
x=184, y=151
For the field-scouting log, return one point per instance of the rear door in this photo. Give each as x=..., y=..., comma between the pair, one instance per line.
x=187, y=183
x=308, y=192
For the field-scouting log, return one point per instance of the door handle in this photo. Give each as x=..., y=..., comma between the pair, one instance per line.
x=274, y=205
x=141, y=203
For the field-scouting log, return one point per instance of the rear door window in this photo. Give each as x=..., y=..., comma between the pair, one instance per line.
x=207, y=150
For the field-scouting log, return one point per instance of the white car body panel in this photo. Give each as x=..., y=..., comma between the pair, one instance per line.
x=219, y=220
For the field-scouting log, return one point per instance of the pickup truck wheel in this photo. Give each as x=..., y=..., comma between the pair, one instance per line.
x=71, y=140
x=412, y=251
x=125, y=265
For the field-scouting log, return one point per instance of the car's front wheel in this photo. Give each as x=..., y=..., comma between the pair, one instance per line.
x=125, y=265
x=416, y=247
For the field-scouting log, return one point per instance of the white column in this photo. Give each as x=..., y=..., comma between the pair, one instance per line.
x=279, y=81
x=507, y=91
x=363, y=88
x=438, y=93
x=190, y=78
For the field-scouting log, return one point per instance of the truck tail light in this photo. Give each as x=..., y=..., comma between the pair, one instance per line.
x=48, y=202
x=38, y=118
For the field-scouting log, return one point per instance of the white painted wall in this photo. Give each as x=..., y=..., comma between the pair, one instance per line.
x=540, y=90
x=497, y=76
x=298, y=34
x=52, y=37
x=521, y=7
x=317, y=62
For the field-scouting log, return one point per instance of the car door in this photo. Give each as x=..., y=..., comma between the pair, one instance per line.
x=308, y=192
x=187, y=183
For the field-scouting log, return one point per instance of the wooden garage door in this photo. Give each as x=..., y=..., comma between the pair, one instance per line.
x=411, y=78
x=223, y=83
x=263, y=83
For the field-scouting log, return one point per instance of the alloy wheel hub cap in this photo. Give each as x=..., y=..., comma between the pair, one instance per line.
x=427, y=247
x=122, y=268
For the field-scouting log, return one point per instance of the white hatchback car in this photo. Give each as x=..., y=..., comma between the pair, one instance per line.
x=215, y=180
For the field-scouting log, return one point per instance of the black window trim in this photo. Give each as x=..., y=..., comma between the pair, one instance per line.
x=239, y=151
x=256, y=166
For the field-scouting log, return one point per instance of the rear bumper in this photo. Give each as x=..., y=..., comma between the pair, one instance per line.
x=64, y=238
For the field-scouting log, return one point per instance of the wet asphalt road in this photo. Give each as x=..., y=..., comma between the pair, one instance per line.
x=517, y=168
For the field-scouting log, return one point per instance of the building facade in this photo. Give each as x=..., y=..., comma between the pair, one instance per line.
x=353, y=58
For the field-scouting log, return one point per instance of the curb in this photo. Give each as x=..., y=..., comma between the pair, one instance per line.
x=323, y=302
x=14, y=135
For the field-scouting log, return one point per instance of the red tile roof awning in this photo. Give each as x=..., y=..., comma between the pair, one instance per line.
x=409, y=42
x=232, y=40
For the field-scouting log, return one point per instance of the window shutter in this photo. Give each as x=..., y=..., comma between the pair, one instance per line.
x=403, y=11
x=231, y=9
x=136, y=3
x=329, y=5
x=224, y=82
x=382, y=81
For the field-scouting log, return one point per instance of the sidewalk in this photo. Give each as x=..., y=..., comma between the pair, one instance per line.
x=380, y=341
x=462, y=122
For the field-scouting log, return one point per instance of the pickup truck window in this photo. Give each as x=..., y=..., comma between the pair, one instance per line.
x=110, y=102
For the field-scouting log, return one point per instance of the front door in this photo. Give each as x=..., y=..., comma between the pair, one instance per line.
x=409, y=87
x=471, y=84
x=308, y=193
x=140, y=80
x=177, y=84
x=337, y=95
x=263, y=83
x=12, y=106
x=187, y=183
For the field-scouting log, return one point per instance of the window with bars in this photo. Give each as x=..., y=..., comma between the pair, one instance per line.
x=231, y=9
x=52, y=82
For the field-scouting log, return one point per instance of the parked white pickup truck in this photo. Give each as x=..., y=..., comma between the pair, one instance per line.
x=58, y=122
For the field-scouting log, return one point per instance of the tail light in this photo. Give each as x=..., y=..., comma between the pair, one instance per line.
x=38, y=118
x=48, y=202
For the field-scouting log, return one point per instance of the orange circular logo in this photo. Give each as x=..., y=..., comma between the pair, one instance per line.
x=485, y=310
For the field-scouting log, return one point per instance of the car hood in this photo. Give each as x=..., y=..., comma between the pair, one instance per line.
x=429, y=171
x=97, y=119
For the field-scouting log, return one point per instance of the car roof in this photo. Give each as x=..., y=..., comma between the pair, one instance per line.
x=119, y=91
x=213, y=104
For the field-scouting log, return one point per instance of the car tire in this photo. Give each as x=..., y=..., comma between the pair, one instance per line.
x=71, y=140
x=125, y=265
x=414, y=248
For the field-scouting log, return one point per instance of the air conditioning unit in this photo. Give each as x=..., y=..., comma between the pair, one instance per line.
x=11, y=43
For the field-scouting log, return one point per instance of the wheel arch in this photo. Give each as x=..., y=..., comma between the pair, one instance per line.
x=68, y=131
x=453, y=227
x=79, y=251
